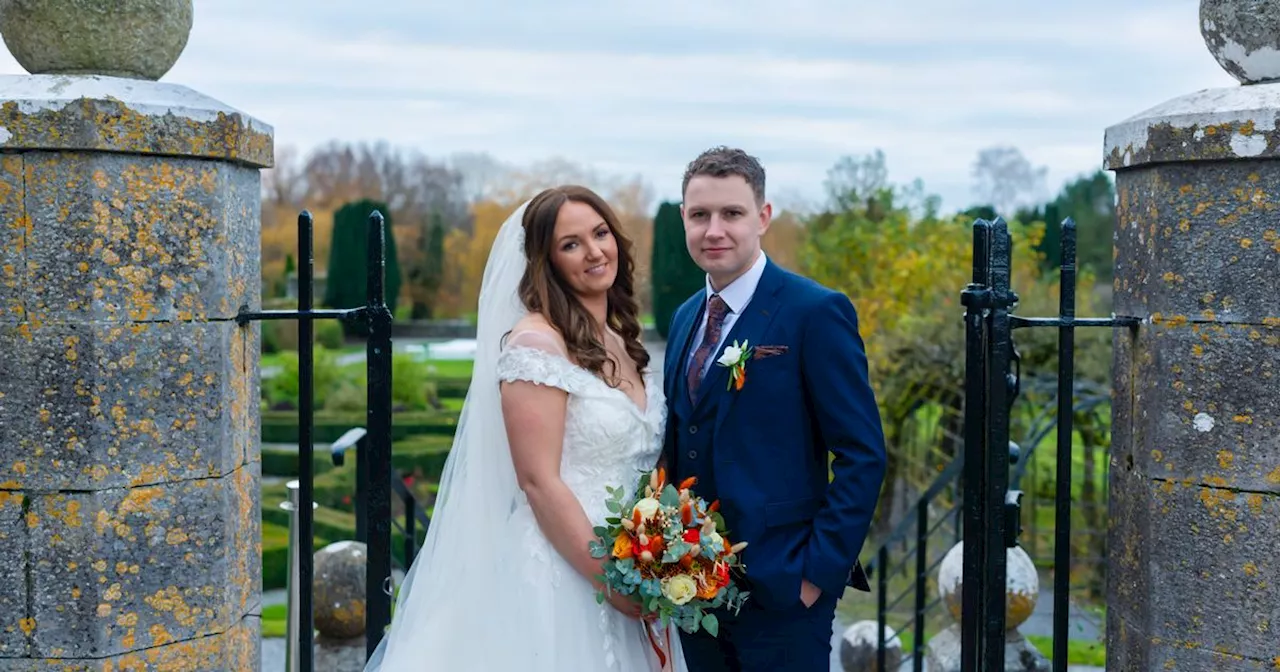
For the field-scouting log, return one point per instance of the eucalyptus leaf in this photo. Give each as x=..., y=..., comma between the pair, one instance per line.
x=670, y=496
x=711, y=624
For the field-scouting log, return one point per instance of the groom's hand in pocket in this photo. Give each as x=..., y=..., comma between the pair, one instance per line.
x=809, y=593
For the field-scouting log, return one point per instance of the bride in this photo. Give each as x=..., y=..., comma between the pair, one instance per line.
x=561, y=405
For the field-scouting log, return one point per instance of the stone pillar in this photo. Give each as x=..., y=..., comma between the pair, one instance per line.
x=129, y=237
x=1195, y=469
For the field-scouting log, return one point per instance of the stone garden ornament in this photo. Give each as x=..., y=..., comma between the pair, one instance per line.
x=134, y=39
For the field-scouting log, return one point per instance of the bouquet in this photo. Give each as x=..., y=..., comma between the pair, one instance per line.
x=671, y=549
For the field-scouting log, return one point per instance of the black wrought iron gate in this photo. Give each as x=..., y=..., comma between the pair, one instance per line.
x=374, y=473
x=991, y=510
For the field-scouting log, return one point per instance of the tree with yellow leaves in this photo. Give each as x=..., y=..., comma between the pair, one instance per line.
x=905, y=272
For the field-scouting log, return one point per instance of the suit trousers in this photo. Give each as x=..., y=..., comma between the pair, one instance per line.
x=795, y=639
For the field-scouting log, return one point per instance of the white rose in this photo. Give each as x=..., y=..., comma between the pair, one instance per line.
x=730, y=356
x=647, y=507
x=680, y=589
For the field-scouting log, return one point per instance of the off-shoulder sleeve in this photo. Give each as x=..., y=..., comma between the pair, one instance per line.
x=536, y=356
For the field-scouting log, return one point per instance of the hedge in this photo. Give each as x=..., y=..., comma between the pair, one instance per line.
x=423, y=456
x=282, y=426
x=452, y=388
x=284, y=462
x=275, y=550
x=327, y=522
x=275, y=543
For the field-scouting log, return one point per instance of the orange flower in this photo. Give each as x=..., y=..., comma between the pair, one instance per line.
x=712, y=580
x=622, y=547
x=686, y=513
x=688, y=483
x=722, y=574
x=740, y=380
x=715, y=506
x=655, y=546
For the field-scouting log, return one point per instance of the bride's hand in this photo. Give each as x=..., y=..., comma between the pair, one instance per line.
x=626, y=604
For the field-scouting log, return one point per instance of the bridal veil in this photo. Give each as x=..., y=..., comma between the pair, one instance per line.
x=450, y=613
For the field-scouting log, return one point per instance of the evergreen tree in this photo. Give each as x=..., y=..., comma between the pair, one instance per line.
x=1090, y=201
x=980, y=212
x=345, y=287
x=289, y=270
x=675, y=276
x=434, y=267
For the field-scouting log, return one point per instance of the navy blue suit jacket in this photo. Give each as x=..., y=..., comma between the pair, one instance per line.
x=801, y=402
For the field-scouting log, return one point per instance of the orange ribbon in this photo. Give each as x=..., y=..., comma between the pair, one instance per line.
x=657, y=647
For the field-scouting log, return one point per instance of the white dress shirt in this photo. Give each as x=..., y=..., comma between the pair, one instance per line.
x=736, y=296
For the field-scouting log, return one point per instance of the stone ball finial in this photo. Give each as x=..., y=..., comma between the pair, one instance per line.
x=1244, y=36
x=1022, y=584
x=860, y=645
x=338, y=590
x=135, y=39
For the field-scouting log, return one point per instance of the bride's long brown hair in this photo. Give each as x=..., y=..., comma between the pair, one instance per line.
x=543, y=291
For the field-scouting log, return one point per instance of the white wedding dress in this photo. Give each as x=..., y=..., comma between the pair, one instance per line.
x=488, y=591
x=609, y=440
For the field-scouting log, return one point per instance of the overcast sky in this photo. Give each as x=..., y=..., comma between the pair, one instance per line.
x=642, y=87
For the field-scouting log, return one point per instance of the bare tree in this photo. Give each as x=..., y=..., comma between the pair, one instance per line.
x=483, y=177
x=1005, y=180
x=285, y=184
x=853, y=180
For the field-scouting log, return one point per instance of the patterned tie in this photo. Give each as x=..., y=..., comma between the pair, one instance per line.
x=716, y=311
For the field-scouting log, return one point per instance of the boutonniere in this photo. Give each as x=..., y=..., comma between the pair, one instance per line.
x=735, y=359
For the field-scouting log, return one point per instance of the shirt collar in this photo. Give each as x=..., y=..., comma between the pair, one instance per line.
x=739, y=292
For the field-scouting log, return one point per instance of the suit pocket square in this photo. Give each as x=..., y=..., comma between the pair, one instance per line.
x=762, y=351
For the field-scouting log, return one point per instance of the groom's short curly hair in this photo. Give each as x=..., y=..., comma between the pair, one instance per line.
x=724, y=161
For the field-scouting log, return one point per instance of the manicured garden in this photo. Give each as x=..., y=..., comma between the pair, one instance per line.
x=427, y=397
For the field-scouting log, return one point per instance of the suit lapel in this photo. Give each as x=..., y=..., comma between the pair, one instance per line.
x=750, y=326
x=679, y=368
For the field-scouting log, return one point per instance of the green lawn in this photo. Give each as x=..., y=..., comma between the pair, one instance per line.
x=273, y=620
x=449, y=368
x=1079, y=652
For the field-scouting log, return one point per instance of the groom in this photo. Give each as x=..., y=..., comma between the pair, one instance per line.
x=762, y=447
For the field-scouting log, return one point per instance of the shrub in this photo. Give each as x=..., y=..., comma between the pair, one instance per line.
x=281, y=390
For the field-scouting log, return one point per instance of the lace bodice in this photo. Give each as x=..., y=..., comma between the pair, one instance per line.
x=608, y=439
